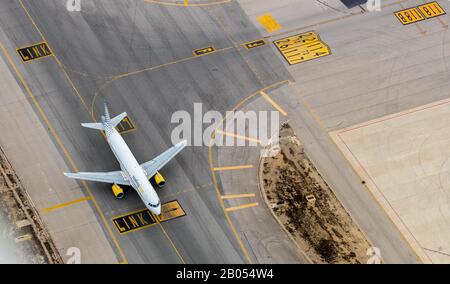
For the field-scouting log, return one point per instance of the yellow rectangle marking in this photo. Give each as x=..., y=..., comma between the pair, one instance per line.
x=126, y=126
x=431, y=10
x=134, y=221
x=171, y=210
x=409, y=16
x=233, y=196
x=59, y=206
x=269, y=23
x=302, y=47
x=273, y=103
x=33, y=52
x=231, y=168
x=203, y=51
x=255, y=43
x=241, y=207
x=237, y=136
x=142, y=219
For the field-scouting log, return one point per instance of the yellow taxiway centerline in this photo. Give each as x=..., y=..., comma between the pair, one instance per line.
x=52, y=129
x=55, y=135
x=214, y=177
x=60, y=144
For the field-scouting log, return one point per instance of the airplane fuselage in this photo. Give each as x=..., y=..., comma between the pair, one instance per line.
x=133, y=171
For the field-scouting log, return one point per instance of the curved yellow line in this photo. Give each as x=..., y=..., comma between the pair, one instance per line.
x=117, y=77
x=213, y=174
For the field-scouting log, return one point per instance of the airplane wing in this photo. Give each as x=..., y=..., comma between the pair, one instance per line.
x=107, y=177
x=151, y=167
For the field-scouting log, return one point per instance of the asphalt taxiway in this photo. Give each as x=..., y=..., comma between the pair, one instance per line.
x=139, y=57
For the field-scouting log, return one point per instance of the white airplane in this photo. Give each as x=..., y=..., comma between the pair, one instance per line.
x=131, y=172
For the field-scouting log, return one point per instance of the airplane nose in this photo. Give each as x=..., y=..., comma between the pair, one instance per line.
x=157, y=211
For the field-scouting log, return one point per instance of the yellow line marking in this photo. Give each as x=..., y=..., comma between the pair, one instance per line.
x=151, y=68
x=230, y=209
x=237, y=136
x=54, y=54
x=186, y=4
x=311, y=111
x=204, y=51
x=419, y=27
x=443, y=23
x=61, y=145
x=315, y=25
x=66, y=153
x=62, y=205
x=236, y=45
x=324, y=129
x=273, y=103
x=52, y=129
x=214, y=178
x=164, y=65
x=170, y=240
x=92, y=115
x=126, y=126
x=231, y=168
x=341, y=151
x=438, y=8
x=232, y=196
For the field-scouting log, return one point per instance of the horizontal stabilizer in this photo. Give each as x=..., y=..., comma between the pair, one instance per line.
x=116, y=120
x=115, y=177
x=97, y=126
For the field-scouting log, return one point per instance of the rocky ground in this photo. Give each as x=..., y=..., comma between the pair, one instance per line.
x=307, y=207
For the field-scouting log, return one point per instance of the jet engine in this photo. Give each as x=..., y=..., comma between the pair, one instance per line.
x=159, y=180
x=117, y=191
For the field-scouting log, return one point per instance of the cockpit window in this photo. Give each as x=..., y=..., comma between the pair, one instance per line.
x=155, y=205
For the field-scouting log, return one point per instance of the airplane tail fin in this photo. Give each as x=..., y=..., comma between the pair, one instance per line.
x=115, y=120
x=107, y=121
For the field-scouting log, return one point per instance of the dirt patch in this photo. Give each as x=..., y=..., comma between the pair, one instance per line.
x=24, y=226
x=307, y=207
